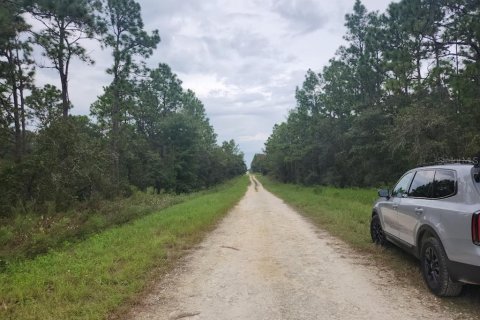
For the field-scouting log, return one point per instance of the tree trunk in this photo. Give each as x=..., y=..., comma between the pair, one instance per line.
x=115, y=133
x=115, y=113
x=16, y=110
x=419, y=67
x=23, y=116
x=22, y=101
x=65, y=100
x=18, y=130
x=63, y=75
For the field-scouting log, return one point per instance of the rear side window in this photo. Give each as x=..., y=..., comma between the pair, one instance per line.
x=422, y=184
x=444, y=184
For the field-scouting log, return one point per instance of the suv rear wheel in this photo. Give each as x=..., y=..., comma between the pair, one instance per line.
x=434, y=269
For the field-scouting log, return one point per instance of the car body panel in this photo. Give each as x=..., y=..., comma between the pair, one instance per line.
x=389, y=215
x=410, y=213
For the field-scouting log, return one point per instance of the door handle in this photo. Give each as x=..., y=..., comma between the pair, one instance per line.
x=418, y=210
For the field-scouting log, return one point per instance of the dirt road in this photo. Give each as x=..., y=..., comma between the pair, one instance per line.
x=265, y=261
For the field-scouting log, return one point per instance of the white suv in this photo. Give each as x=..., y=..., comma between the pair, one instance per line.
x=434, y=213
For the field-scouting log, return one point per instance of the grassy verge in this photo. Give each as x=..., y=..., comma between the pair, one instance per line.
x=91, y=279
x=346, y=213
x=26, y=235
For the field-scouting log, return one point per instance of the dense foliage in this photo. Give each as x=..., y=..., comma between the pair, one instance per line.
x=259, y=163
x=403, y=90
x=145, y=130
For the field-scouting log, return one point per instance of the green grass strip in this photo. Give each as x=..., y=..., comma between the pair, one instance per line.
x=93, y=278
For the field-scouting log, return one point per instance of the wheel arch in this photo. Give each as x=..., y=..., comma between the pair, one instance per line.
x=424, y=231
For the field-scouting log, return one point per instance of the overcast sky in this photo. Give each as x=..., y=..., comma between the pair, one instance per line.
x=242, y=58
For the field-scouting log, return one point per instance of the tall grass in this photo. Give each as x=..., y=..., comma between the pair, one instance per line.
x=93, y=278
x=26, y=235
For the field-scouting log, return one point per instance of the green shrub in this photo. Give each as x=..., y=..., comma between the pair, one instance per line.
x=6, y=235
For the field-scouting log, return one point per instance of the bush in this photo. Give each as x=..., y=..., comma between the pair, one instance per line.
x=6, y=235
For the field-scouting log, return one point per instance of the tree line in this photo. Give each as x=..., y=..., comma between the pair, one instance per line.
x=144, y=131
x=403, y=90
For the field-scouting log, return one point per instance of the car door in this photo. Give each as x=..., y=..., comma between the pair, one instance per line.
x=414, y=205
x=389, y=207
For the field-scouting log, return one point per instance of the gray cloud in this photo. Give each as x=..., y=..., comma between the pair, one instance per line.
x=303, y=15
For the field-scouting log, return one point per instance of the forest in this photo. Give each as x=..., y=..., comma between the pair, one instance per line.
x=145, y=132
x=404, y=90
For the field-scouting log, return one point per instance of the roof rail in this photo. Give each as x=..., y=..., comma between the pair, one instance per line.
x=450, y=161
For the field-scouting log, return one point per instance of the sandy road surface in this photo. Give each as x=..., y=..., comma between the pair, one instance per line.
x=265, y=261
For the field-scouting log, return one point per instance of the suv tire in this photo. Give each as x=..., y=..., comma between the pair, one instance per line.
x=435, y=271
x=376, y=231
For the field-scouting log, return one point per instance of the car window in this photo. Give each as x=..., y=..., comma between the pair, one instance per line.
x=402, y=185
x=444, y=184
x=422, y=184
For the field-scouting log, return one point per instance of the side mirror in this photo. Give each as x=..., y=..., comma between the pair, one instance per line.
x=384, y=193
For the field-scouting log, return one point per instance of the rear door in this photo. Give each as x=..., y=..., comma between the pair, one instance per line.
x=414, y=206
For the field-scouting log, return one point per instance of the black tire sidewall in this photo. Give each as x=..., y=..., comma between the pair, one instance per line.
x=436, y=245
x=376, y=220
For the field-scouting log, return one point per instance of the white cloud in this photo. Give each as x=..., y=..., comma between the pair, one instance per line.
x=208, y=85
x=261, y=136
